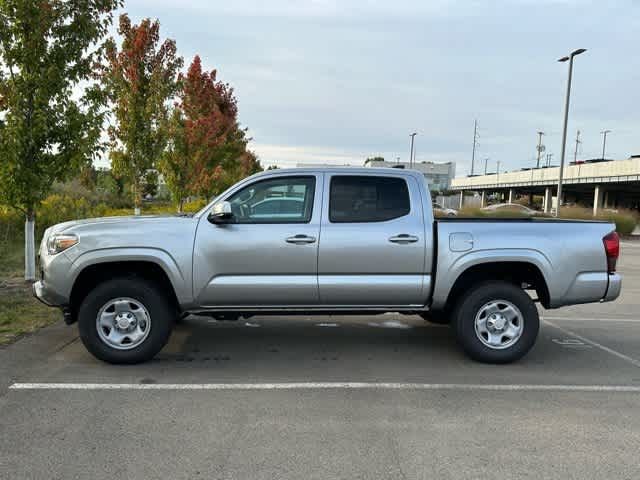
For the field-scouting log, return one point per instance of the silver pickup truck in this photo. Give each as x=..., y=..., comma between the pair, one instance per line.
x=331, y=240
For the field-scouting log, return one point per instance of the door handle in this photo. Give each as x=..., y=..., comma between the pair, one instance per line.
x=300, y=239
x=403, y=238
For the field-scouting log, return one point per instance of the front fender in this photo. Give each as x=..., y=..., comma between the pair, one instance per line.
x=162, y=258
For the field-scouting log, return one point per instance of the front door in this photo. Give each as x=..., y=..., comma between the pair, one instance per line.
x=372, y=245
x=267, y=255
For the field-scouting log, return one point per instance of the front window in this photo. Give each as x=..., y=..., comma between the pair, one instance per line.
x=277, y=200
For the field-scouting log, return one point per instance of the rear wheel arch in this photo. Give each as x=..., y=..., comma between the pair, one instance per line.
x=520, y=273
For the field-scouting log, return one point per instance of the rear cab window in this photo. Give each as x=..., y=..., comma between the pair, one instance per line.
x=364, y=198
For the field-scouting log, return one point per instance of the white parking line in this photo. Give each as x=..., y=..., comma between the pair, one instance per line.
x=584, y=319
x=327, y=386
x=622, y=356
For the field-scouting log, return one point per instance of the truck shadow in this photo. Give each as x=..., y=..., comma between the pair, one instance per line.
x=296, y=347
x=315, y=339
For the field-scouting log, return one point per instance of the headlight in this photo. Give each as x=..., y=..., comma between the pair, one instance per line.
x=59, y=243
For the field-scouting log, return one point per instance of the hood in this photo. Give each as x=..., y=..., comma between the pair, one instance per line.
x=132, y=220
x=122, y=224
x=161, y=232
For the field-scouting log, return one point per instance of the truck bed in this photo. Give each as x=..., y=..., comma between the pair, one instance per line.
x=569, y=254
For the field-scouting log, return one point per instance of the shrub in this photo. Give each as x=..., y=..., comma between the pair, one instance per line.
x=476, y=212
x=195, y=205
x=58, y=208
x=11, y=223
x=625, y=220
x=470, y=212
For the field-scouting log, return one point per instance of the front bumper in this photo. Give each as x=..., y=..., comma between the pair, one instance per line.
x=614, y=288
x=47, y=295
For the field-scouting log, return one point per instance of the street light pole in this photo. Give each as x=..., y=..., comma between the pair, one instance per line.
x=540, y=148
x=604, y=140
x=411, y=153
x=475, y=141
x=485, y=165
x=566, y=119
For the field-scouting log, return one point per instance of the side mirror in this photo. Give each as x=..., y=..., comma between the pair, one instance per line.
x=221, y=213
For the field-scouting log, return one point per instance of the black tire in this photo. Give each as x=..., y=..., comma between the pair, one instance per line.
x=161, y=313
x=470, y=305
x=437, y=318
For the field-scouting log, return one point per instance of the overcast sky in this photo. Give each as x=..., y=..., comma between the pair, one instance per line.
x=336, y=81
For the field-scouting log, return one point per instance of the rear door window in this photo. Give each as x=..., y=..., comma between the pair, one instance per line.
x=358, y=199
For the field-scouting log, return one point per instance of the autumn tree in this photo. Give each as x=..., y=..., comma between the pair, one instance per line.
x=235, y=162
x=150, y=183
x=50, y=114
x=176, y=164
x=139, y=79
x=207, y=148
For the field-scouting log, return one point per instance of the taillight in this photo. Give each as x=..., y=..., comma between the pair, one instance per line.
x=612, y=250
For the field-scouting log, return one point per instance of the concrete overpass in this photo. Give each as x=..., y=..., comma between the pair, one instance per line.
x=600, y=184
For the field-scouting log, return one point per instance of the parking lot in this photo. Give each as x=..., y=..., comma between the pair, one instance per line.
x=384, y=396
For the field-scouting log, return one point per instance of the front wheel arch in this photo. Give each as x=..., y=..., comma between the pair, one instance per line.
x=93, y=275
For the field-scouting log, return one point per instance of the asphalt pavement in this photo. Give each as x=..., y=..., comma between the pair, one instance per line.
x=385, y=396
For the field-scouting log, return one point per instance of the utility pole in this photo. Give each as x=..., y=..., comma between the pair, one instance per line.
x=604, y=140
x=475, y=142
x=540, y=148
x=398, y=160
x=549, y=155
x=485, y=165
x=413, y=135
x=578, y=142
x=566, y=120
x=498, y=171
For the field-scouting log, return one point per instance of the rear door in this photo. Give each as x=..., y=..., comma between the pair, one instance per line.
x=372, y=242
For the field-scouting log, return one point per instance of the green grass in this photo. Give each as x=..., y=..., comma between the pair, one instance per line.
x=20, y=312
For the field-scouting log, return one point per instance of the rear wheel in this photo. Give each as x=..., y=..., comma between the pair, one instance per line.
x=496, y=322
x=125, y=320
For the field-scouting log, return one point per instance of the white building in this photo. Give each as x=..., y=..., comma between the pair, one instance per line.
x=438, y=175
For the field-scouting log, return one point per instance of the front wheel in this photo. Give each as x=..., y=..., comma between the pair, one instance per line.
x=125, y=320
x=496, y=322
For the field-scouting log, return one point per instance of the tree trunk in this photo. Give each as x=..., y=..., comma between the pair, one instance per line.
x=29, y=247
x=136, y=198
x=180, y=205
